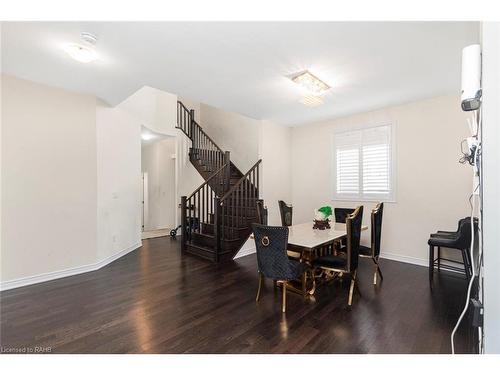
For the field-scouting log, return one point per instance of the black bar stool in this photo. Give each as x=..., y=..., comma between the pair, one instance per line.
x=459, y=240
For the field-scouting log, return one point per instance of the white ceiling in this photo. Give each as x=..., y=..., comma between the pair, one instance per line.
x=241, y=67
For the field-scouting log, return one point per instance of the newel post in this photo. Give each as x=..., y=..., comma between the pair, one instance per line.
x=227, y=175
x=183, y=223
x=217, y=227
x=191, y=125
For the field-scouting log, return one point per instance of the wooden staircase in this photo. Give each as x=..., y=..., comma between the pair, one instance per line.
x=216, y=218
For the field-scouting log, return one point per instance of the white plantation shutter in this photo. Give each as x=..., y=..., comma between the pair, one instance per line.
x=348, y=171
x=347, y=155
x=376, y=161
x=363, y=167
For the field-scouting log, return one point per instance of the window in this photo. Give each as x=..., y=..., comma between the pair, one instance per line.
x=363, y=164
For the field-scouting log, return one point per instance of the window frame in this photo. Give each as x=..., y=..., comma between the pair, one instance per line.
x=360, y=197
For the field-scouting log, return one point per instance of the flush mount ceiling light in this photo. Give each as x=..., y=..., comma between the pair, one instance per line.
x=312, y=100
x=84, y=52
x=311, y=83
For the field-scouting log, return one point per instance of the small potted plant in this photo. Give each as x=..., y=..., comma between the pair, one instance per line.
x=322, y=218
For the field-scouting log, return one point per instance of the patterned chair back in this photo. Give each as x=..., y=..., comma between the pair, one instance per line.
x=353, y=225
x=286, y=213
x=271, y=244
x=376, y=229
x=464, y=232
x=261, y=212
x=342, y=213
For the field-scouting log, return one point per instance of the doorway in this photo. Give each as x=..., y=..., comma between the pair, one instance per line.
x=158, y=185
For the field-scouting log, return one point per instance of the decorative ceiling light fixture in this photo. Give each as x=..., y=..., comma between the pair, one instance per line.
x=84, y=52
x=311, y=83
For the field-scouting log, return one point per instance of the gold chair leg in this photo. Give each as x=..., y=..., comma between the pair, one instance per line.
x=313, y=279
x=261, y=281
x=283, y=306
x=351, y=289
x=377, y=270
x=304, y=284
x=380, y=272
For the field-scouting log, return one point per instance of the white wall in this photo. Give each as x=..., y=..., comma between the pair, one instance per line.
x=71, y=183
x=49, y=173
x=234, y=133
x=275, y=152
x=432, y=187
x=491, y=184
x=159, y=165
x=155, y=109
x=118, y=182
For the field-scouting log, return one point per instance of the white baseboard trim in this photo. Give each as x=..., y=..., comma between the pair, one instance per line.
x=416, y=261
x=29, y=280
x=405, y=259
x=391, y=256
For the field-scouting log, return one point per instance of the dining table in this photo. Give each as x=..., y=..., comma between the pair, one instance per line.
x=302, y=238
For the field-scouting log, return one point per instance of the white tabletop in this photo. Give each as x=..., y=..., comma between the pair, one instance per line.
x=305, y=236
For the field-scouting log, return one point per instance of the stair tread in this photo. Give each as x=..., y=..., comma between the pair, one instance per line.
x=201, y=247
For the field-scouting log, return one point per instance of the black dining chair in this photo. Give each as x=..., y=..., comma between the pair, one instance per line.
x=286, y=211
x=262, y=216
x=341, y=214
x=272, y=260
x=340, y=217
x=459, y=240
x=346, y=264
x=373, y=251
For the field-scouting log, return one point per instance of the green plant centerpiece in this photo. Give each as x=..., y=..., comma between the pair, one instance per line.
x=322, y=218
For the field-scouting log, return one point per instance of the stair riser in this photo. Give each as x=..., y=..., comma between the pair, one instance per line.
x=235, y=222
x=206, y=254
x=242, y=211
x=227, y=244
x=227, y=232
x=201, y=240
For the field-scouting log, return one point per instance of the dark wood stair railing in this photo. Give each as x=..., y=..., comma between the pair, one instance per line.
x=216, y=218
x=239, y=205
x=203, y=147
x=198, y=208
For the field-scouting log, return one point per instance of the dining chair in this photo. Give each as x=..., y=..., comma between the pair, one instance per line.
x=340, y=217
x=346, y=264
x=373, y=251
x=459, y=240
x=262, y=216
x=341, y=214
x=286, y=211
x=272, y=261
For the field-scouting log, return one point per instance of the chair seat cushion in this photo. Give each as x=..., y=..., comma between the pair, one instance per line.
x=443, y=240
x=365, y=250
x=444, y=234
x=297, y=269
x=330, y=261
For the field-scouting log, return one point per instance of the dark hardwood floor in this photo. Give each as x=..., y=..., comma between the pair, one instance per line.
x=155, y=301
